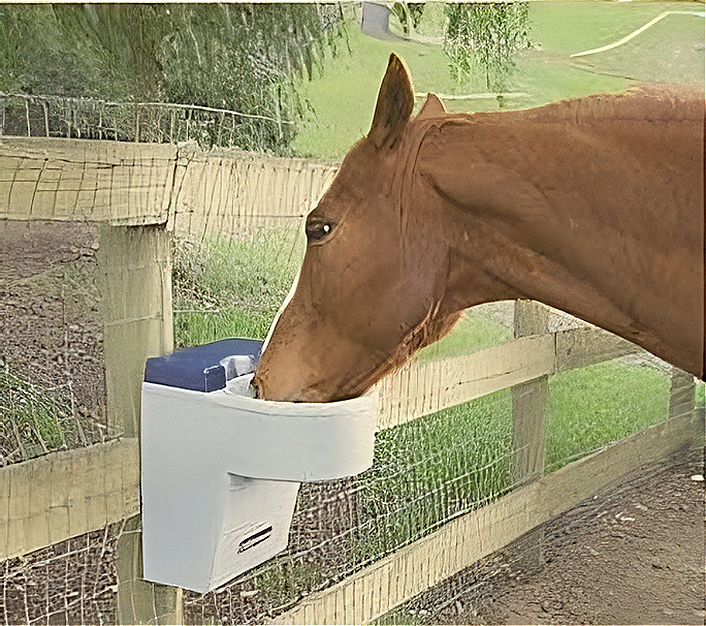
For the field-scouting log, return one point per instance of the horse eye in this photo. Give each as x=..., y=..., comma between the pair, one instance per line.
x=317, y=231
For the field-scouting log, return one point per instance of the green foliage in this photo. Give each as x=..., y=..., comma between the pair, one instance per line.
x=486, y=35
x=242, y=57
x=409, y=14
x=35, y=57
x=247, y=58
x=121, y=42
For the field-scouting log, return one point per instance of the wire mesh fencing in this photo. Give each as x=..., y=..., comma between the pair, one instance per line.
x=52, y=371
x=147, y=122
x=72, y=582
x=425, y=473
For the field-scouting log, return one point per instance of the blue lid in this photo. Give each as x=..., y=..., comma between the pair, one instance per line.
x=199, y=368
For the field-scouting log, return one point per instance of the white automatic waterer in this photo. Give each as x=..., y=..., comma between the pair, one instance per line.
x=221, y=471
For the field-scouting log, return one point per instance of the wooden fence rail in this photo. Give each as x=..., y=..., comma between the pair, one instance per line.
x=195, y=193
x=138, y=194
x=85, y=489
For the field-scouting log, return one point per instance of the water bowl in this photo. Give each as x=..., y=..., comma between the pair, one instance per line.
x=221, y=470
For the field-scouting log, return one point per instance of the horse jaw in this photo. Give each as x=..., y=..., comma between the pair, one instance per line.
x=288, y=373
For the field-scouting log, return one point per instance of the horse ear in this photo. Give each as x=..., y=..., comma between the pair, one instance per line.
x=394, y=105
x=433, y=107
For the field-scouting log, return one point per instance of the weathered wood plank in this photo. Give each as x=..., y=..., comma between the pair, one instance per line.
x=83, y=180
x=405, y=394
x=197, y=193
x=464, y=378
x=580, y=347
x=222, y=194
x=486, y=530
x=67, y=493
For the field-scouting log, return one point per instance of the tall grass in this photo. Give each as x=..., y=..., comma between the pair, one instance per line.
x=232, y=287
x=34, y=420
x=591, y=407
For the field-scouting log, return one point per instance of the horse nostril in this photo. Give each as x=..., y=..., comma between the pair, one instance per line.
x=255, y=384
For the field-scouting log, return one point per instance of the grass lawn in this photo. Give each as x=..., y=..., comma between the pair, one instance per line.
x=432, y=469
x=591, y=407
x=344, y=98
x=473, y=332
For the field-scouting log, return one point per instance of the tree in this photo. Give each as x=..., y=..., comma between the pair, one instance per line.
x=487, y=36
x=242, y=57
x=409, y=15
x=34, y=57
x=248, y=58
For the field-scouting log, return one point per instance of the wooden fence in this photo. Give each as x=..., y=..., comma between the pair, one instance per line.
x=139, y=194
x=194, y=193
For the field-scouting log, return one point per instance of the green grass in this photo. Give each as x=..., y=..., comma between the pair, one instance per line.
x=33, y=420
x=473, y=332
x=344, y=97
x=596, y=405
x=429, y=470
x=233, y=288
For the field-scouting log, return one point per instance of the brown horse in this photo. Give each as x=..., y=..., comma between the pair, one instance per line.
x=594, y=206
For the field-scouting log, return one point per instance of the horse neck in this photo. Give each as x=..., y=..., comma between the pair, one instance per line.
x=612, y=236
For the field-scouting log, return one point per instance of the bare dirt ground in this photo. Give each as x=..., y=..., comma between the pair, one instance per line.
x=52, y=338
x=633, y=554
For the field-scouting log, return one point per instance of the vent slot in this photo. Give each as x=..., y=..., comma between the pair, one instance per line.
x=255, y=539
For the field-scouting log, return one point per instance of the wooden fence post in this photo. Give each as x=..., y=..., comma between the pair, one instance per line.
x=135, y=275
x=139, y=601
x=681, y=395
x=529, y=403
x=137, y=312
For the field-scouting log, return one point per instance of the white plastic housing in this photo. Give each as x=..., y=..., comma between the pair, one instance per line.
x=220, y=475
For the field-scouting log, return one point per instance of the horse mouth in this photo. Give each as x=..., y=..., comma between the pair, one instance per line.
x=256, y=387
x=317, y=393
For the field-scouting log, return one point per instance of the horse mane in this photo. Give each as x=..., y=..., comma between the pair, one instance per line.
x=649, y=102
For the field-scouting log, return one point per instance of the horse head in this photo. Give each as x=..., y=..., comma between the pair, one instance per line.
x=570, y=204
x=368, y=294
